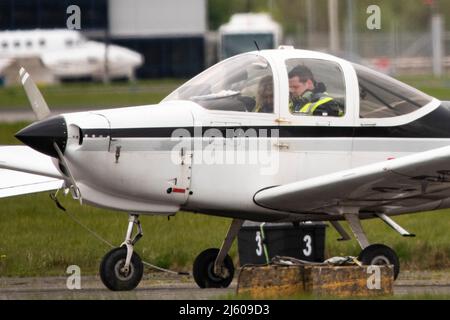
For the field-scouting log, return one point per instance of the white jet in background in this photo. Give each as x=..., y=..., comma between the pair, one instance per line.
x=67, y=54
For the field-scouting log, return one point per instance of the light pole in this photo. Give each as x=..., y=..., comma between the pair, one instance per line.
x=350, y=29
x=310, y=27
x=106, y=78
x=437, y=35
x=333, y=15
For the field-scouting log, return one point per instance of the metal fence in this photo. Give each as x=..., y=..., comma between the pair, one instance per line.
x=395, y=53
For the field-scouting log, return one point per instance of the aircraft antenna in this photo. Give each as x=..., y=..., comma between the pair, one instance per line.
x=256, y=45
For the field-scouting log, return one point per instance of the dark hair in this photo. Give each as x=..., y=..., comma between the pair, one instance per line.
x=302, y=72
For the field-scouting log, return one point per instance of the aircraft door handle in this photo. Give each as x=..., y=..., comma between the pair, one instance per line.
x=282, y=145
x=282, y=120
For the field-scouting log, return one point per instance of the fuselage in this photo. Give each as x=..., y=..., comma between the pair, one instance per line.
x=181, y=155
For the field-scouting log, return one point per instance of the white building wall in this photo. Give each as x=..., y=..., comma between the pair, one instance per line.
x=157, y=18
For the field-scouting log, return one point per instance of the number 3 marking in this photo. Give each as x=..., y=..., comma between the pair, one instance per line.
x=258, y=239
x=308, y=245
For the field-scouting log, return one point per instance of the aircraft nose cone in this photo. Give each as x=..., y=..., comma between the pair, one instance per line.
x=41, y=135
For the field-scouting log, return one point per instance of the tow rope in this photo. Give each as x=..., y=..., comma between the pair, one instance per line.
x=109, y=244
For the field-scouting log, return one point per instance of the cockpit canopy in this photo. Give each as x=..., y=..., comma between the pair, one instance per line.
x=243, y=83
x=315, y=86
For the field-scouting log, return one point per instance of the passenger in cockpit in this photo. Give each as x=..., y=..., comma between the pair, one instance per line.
x=264, y=99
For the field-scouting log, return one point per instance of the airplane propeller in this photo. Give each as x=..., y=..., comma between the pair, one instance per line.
x=38, y=104
x=49, y=134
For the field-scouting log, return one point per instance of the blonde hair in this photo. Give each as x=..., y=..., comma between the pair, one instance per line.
x=265, y=87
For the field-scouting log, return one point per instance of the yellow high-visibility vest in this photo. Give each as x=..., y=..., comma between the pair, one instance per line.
x=309, y=108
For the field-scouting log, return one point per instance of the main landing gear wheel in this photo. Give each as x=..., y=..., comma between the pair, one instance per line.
x=379, y=255
x=113, y=274
x=204, y=274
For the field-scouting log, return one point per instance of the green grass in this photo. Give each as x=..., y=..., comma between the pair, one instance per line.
x=435, y=87
x=92, y=95
x=7, y=131
x=36, y=238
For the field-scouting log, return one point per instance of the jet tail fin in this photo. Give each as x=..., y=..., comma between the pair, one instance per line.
x=38, y=104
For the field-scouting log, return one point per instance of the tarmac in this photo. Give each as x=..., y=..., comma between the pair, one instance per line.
x=159, y=286
x=156, y=286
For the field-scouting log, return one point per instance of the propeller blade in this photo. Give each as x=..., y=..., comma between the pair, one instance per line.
x=38, y=104
x=76, y=191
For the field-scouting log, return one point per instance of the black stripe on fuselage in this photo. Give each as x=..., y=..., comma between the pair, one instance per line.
x=434, y=125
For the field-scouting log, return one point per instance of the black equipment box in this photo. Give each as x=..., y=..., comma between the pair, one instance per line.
x=258, y=243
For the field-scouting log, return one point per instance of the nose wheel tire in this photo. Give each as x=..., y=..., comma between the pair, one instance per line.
x=112, y=272
x=379, y=255
x=204, y=274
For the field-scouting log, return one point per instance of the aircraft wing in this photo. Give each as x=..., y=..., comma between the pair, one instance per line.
x=25, y=159
x=13, y=183
x=384, y=187
x=23, y=170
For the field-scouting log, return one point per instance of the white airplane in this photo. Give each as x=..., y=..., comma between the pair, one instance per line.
x=227, y=143
x=67, y=53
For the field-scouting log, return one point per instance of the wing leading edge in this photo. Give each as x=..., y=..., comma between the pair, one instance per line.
x=13, y=183
x=24, y=171
x=394, y=186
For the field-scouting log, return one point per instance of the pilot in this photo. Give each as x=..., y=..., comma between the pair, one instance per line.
x=308, y=96
x=264, y=99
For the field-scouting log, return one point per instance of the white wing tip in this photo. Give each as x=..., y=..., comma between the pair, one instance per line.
x=22, y=70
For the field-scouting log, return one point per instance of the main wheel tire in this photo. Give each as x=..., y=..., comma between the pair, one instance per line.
x=203, y=270
x=112, y=276
x=379, y=254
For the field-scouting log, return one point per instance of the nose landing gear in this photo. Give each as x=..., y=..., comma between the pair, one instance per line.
x=122, y=269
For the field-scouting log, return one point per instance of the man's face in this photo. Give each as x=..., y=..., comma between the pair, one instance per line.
x=298, y=88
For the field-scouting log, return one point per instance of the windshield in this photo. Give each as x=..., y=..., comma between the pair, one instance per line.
x=384, y=97
x=243, y=83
